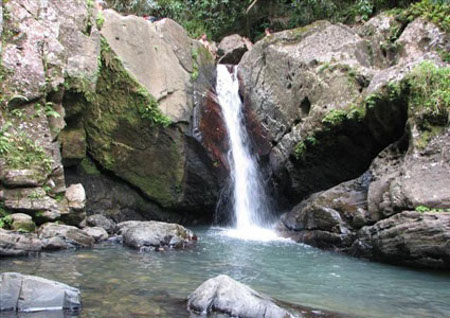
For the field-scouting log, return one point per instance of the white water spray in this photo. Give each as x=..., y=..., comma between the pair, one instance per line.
x=251, y=206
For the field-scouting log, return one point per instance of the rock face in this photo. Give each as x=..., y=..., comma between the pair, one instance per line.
x=232, y=48
x=369, y=216
x=155, y=235
x=224, y=295
x=311, y=91
x=165, y=162
x=132, y=113
x=24, y=293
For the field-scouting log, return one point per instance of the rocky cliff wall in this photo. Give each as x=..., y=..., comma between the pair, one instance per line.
x=109, y=100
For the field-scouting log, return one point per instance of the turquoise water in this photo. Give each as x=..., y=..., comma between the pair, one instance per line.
x=120, y=282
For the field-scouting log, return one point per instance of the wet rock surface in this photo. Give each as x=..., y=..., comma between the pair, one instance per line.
x=24, y=293
x=224, y=295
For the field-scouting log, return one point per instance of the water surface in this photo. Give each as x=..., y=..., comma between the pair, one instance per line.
x=116, y=281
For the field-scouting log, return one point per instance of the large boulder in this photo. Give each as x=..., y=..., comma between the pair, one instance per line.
x=408, y=238
x=17, y=244
x=223, y=295
x=59, y=236
x=321, y=96
x=138, y=126
x=155, y=235
x=232, y=48
x=26, y=293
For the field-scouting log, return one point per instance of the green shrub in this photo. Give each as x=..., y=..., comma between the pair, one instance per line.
x=436, y=11
x=429, y=89
x=335, y=117
x=299, y=150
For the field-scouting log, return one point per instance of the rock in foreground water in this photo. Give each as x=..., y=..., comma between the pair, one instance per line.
x=24, y=293
x=222, y=294
x=154, y=234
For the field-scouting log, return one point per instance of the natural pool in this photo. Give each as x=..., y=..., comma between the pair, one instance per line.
x=116, y=281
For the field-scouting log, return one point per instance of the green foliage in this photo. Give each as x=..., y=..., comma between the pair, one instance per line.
x=423, y=209
x=195, y=72
x=218, y=18
x=299, y=150
x=49, y=111
x=335, y=117
x=151, y=111
x=5, y=222
x=436, y=11
x=100, y=20
x=35, y=195
x=429, y=90
x=20, y=151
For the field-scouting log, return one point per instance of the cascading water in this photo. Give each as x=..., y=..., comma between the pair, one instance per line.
x=251, y=208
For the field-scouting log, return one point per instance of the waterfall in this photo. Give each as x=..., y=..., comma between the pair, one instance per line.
x=251, y=207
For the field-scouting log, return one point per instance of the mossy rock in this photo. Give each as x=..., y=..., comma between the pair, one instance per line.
x=137, y=147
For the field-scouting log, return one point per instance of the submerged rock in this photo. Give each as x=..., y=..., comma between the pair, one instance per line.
x=154, y=234
x=18, y=244
x=224, y=295
x=24, y=293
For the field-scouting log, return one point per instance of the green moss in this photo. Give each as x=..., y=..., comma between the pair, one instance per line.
x=429, y=91
x=299, y=150
x=89, y=167
x=304, y=145
x=5, y=222
x=20, y=151
x=335, y=117
x=195, y=72
x=100, y=20
x=423, y=208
